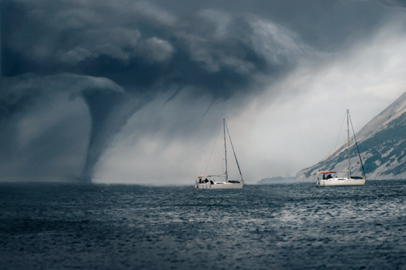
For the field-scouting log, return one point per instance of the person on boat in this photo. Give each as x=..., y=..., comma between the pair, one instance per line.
x=205, y=180
x=211, y=182
x=329, y=176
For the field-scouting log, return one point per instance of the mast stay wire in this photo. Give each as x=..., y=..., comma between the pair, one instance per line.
x=235, y=156
x=356, y=143
x=214, y=146
x=339, y=133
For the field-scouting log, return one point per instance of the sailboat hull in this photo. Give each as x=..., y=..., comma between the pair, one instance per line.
x=219, y=186
x=336, y=182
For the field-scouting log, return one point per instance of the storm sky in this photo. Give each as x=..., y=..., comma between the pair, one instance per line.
x=135, y=91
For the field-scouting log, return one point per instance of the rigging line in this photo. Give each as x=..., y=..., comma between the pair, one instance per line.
x=214, y=146
x=232, y=146
x=339, y=133
x=359, y=154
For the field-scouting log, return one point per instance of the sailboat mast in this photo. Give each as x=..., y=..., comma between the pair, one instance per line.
x=225, y=147
x=348, y=143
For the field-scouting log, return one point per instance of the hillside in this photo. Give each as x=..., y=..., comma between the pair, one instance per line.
x=382, y=143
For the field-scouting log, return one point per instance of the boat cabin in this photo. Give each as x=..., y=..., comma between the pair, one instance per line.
x=327, y=174
x=214, y=180
x=205, y=179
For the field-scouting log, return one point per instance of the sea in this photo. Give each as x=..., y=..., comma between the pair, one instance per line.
x=279, y=226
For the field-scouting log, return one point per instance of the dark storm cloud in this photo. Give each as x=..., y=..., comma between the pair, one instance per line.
x=20, y=91
x=138, y=49
x=136, y=45
x=325, y=25
x=142, y=48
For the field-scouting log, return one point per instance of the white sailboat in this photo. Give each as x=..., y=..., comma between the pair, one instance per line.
x=329, y=180
x=221, y=181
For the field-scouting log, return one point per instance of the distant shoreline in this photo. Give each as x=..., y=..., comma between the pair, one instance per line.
x=276, y=180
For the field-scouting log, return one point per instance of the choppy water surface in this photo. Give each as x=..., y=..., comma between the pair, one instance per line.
x=285, y=226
